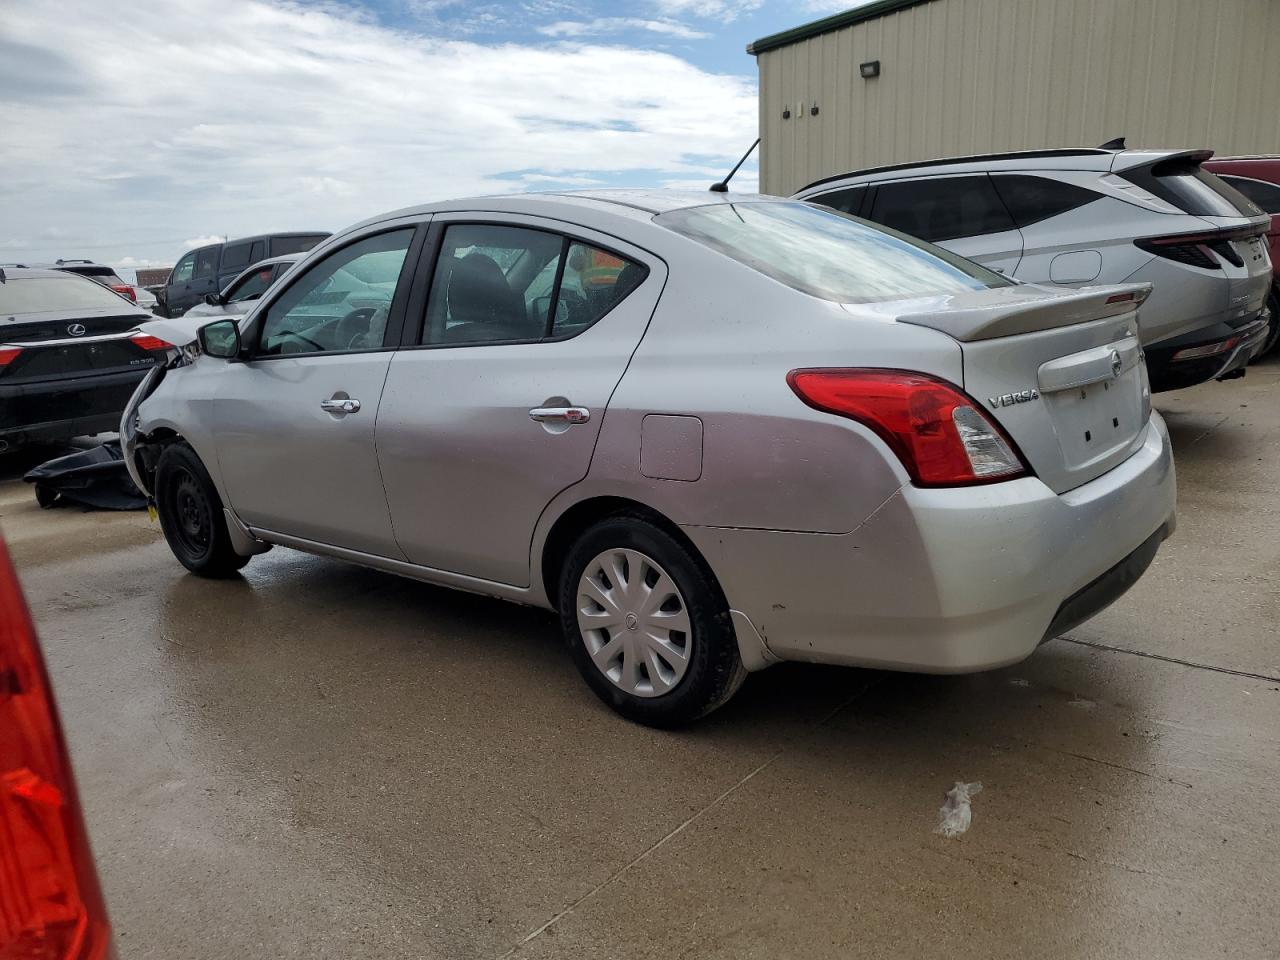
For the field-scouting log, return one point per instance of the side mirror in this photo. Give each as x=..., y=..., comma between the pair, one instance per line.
x=213, y=299
x=220, y=339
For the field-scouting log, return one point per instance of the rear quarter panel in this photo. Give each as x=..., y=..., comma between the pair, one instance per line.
x=719, y=348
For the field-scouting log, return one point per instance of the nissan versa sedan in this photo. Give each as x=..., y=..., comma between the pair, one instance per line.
x=711, y=431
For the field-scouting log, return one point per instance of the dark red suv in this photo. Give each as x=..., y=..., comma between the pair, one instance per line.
x=1258, y=178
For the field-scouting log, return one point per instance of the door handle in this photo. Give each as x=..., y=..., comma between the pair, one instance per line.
x=560, y=414
x=340, y=406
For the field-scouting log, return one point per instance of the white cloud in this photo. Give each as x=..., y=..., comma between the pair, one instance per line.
x=726, y=10
x=284, y=116
x=601, y=25
x=201, y=241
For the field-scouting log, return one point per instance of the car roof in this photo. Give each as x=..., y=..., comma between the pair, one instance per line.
x=1083, y=158
x=631, y=203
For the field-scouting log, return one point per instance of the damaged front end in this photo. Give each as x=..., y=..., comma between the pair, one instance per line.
x=141, y=452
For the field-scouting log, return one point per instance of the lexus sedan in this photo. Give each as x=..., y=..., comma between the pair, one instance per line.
x=70, y=355
x=710, y=431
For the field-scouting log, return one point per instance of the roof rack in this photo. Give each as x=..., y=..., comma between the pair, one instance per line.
x=60, y=262
x=943, y=161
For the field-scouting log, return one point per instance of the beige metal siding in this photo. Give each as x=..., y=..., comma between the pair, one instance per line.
x=984, y=76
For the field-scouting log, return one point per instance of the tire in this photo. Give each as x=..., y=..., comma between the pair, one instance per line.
x=45, y=496
x=191, y=515
x=663, y=676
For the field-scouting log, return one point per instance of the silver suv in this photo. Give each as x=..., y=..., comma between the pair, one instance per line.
x=1088, y=216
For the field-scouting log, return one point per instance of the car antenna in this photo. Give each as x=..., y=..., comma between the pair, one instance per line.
x=723, y=185
x=1116, y=144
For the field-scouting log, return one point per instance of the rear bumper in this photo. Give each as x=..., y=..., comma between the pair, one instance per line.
x=951, y=580
x=1168, y=373
x=59, y=409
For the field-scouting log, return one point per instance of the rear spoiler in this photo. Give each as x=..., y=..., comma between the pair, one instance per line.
x=1009, y=311
x=1136, y=159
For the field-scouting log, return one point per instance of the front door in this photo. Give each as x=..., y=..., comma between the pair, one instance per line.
x=497, y=410
x=177, y=291
x=295, y=422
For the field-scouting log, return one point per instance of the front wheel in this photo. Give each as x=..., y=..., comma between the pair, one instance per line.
x=647, y=624
x=191, y=515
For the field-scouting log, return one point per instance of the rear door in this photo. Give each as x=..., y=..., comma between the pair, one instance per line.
x=294, y=423
x=961, y=212
x=177, y=291
x=496, y=408
x=205, y=280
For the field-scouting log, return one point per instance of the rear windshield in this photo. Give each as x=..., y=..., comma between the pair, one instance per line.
x=827, y=254
x=36, y=294
x=280, y=246
x=101, y=272
x=1190, y=188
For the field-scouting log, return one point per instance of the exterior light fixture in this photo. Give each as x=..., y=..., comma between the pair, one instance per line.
x=869, y=69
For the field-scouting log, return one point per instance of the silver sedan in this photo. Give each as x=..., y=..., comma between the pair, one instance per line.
x=711, y=431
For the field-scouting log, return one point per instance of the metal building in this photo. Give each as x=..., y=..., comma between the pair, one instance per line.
x=904, y=80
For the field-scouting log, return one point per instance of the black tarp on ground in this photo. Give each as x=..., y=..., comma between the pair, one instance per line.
x=95, y=478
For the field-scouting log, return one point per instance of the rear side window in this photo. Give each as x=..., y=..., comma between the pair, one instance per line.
x=34, y=294
x=207, y=262
x=235, y=256
x=846, y=201
x=1265, y=195
x=1192, y=189
x=300, y=244
x=941, y=208
x=827, y=254
x=1032, y=199
x=498, y=284
x=258, y=252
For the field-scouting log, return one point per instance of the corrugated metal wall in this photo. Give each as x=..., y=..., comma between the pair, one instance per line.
x=985, y=76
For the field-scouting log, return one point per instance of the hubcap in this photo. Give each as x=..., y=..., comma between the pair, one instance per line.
x=634, y=622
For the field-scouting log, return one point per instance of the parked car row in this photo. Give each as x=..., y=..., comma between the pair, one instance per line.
x=206, y=271
x=1088, y=216
x=711, y=432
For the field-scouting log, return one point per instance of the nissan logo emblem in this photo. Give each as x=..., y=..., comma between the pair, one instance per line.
x=76, y=329
x=1116, y=363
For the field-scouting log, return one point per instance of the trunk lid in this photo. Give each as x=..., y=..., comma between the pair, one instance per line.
x=57, y=324
x=1061, y=371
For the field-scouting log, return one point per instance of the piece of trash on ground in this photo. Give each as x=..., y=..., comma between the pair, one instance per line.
x=955, y=815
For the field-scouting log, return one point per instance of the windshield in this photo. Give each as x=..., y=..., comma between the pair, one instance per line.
x=37, y=294
x=828, y=254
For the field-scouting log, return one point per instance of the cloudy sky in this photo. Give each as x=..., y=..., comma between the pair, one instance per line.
x=135, y=131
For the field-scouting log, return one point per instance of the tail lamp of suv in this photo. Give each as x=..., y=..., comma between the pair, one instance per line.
x=942, y=436
x=1198, y=249
x=125, y=291
x=51, y=907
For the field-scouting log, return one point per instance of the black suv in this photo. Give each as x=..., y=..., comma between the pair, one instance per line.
x=70, y=355
x=208, y=269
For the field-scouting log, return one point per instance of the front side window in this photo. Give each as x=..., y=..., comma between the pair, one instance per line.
x=184, y=270
x=251, y=286
x=340, y=303
x=941, y=208
x=1265, y=195
x=827, y=254
x=206, y=262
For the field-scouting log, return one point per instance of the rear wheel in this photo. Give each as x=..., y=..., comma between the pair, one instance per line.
x=191, y=515
x=1273, y=329
x=647, y=624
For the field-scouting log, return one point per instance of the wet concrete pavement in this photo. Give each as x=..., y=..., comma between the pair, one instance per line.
x=323, y=761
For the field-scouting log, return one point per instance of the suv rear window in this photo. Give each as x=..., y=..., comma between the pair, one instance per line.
x=36, y=294
x=1192, y=189
x=826, y=254
x=1032, y=199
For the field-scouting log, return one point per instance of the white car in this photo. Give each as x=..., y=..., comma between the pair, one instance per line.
x=1089, y=216
x=711, y=431
x=243, y=292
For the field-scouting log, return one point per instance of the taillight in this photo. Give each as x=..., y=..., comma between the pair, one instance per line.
x=941, y=436
x=1193, y=248
x=8, y=355
x=50, y=905
x=1208, y=350
x=150, y=343
x=125, y=291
